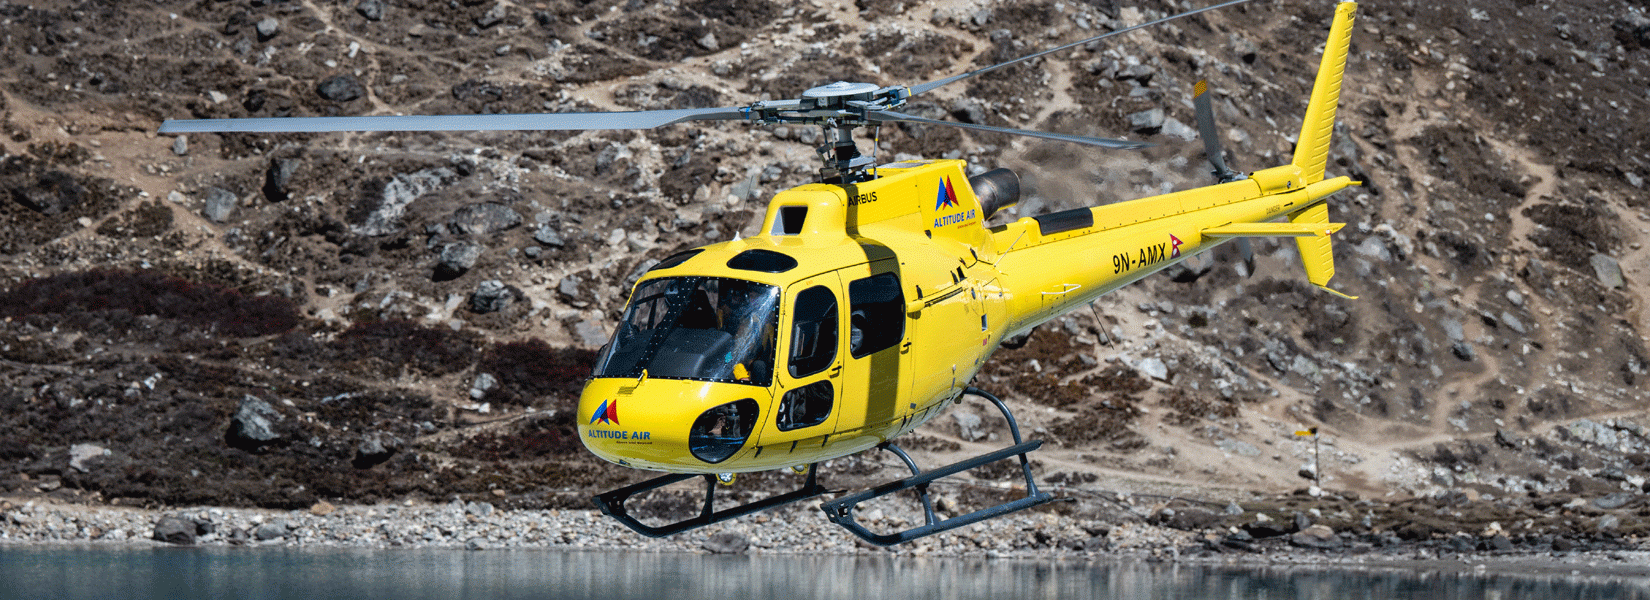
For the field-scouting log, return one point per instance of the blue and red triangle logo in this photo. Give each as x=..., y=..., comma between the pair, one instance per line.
x=947, y=196
x=607, y=413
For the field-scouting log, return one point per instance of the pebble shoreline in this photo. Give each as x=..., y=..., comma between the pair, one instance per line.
x=480, y=526
x=786, y=531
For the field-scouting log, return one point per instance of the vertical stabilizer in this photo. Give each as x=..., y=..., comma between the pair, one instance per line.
x=1316, y=254
x=1312, y=149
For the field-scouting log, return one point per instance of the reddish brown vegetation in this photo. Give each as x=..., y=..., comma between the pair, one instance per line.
x=154, y=294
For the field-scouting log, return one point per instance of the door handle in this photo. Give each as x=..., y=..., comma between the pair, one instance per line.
x=836, y=370
x=905, y=347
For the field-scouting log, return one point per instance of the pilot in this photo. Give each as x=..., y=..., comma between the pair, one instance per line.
x=744, y=314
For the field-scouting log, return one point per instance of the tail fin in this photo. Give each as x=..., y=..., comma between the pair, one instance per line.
x=1316, y=254
x=1312, y=149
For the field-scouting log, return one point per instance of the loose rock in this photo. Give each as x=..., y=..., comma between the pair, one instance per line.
x=173, y=529
x=253, y=426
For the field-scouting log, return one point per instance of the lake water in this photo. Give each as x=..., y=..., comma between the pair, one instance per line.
x=61, y=573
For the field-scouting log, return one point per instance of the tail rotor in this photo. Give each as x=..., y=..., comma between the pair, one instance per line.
x=1217, y=160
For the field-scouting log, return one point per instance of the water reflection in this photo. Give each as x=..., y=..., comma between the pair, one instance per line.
x=284, y=573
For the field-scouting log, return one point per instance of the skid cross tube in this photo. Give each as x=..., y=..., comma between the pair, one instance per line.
x=841, y=510
x=613, y=503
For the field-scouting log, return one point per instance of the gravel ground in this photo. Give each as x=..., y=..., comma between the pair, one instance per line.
x=786, y=531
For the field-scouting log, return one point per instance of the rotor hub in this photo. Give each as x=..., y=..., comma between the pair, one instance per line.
x=840, y=92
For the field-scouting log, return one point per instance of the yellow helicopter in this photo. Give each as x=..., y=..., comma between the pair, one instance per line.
x=867, y=302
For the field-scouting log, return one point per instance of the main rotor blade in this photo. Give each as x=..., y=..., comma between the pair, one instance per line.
x=918, y=89
x=885, y=116
x=643, y=119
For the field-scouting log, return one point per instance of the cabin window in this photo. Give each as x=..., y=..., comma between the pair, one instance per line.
x=805, y=406
x=709, y=328
x=813, y=331
x=876, y=318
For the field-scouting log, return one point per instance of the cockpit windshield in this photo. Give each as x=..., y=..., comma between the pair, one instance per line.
x=696, y=328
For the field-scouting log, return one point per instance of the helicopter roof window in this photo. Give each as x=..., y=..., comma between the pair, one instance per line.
x=765, y=261
x=676, y=259
x=789, y=220
x=696, y=328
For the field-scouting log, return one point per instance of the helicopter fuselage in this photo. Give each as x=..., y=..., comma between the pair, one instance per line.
x=882, y=300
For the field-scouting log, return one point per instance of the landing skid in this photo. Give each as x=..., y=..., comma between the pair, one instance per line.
x=613, y=503
x=841, y=510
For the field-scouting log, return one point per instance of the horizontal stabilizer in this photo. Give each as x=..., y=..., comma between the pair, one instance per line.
x=1241, y=230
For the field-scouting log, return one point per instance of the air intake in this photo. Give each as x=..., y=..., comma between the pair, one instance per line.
x=997, y=189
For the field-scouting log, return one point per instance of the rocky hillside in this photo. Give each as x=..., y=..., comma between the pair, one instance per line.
x=274, y=320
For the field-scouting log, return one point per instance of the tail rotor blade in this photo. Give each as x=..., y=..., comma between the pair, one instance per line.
x=1248, y=253
x=1211, y=137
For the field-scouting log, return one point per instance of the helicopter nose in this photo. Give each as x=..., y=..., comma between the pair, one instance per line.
x=667, y=425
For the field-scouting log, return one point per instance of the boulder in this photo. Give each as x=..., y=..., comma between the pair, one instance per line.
x=968, y=426
x=277, y=177
x=1172, y=127
x=491, y=296
x=53, y=193
x=267, y=27
x=341, y=88
x=493, y=16
x=375, y=448
x=547, y=235
x=400, y=191
x=590, y=333
x=174, y=529
x=1147, y=121
x=568, y=288
x=1154, y=368
x=253, y=426
x=80, y=454
x=273, y=530
x=1632, y=30
x=483, y=218
x=1613, y=501
x=1317, y=537
x=1608, y=271
x=727, y=543
x=968, y=110
x=220, y=204
x=371, y=10
x=457, y=259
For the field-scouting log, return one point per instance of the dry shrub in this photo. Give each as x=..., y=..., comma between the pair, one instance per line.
x=532, y=369
x=77, y=295
x=436, y=351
